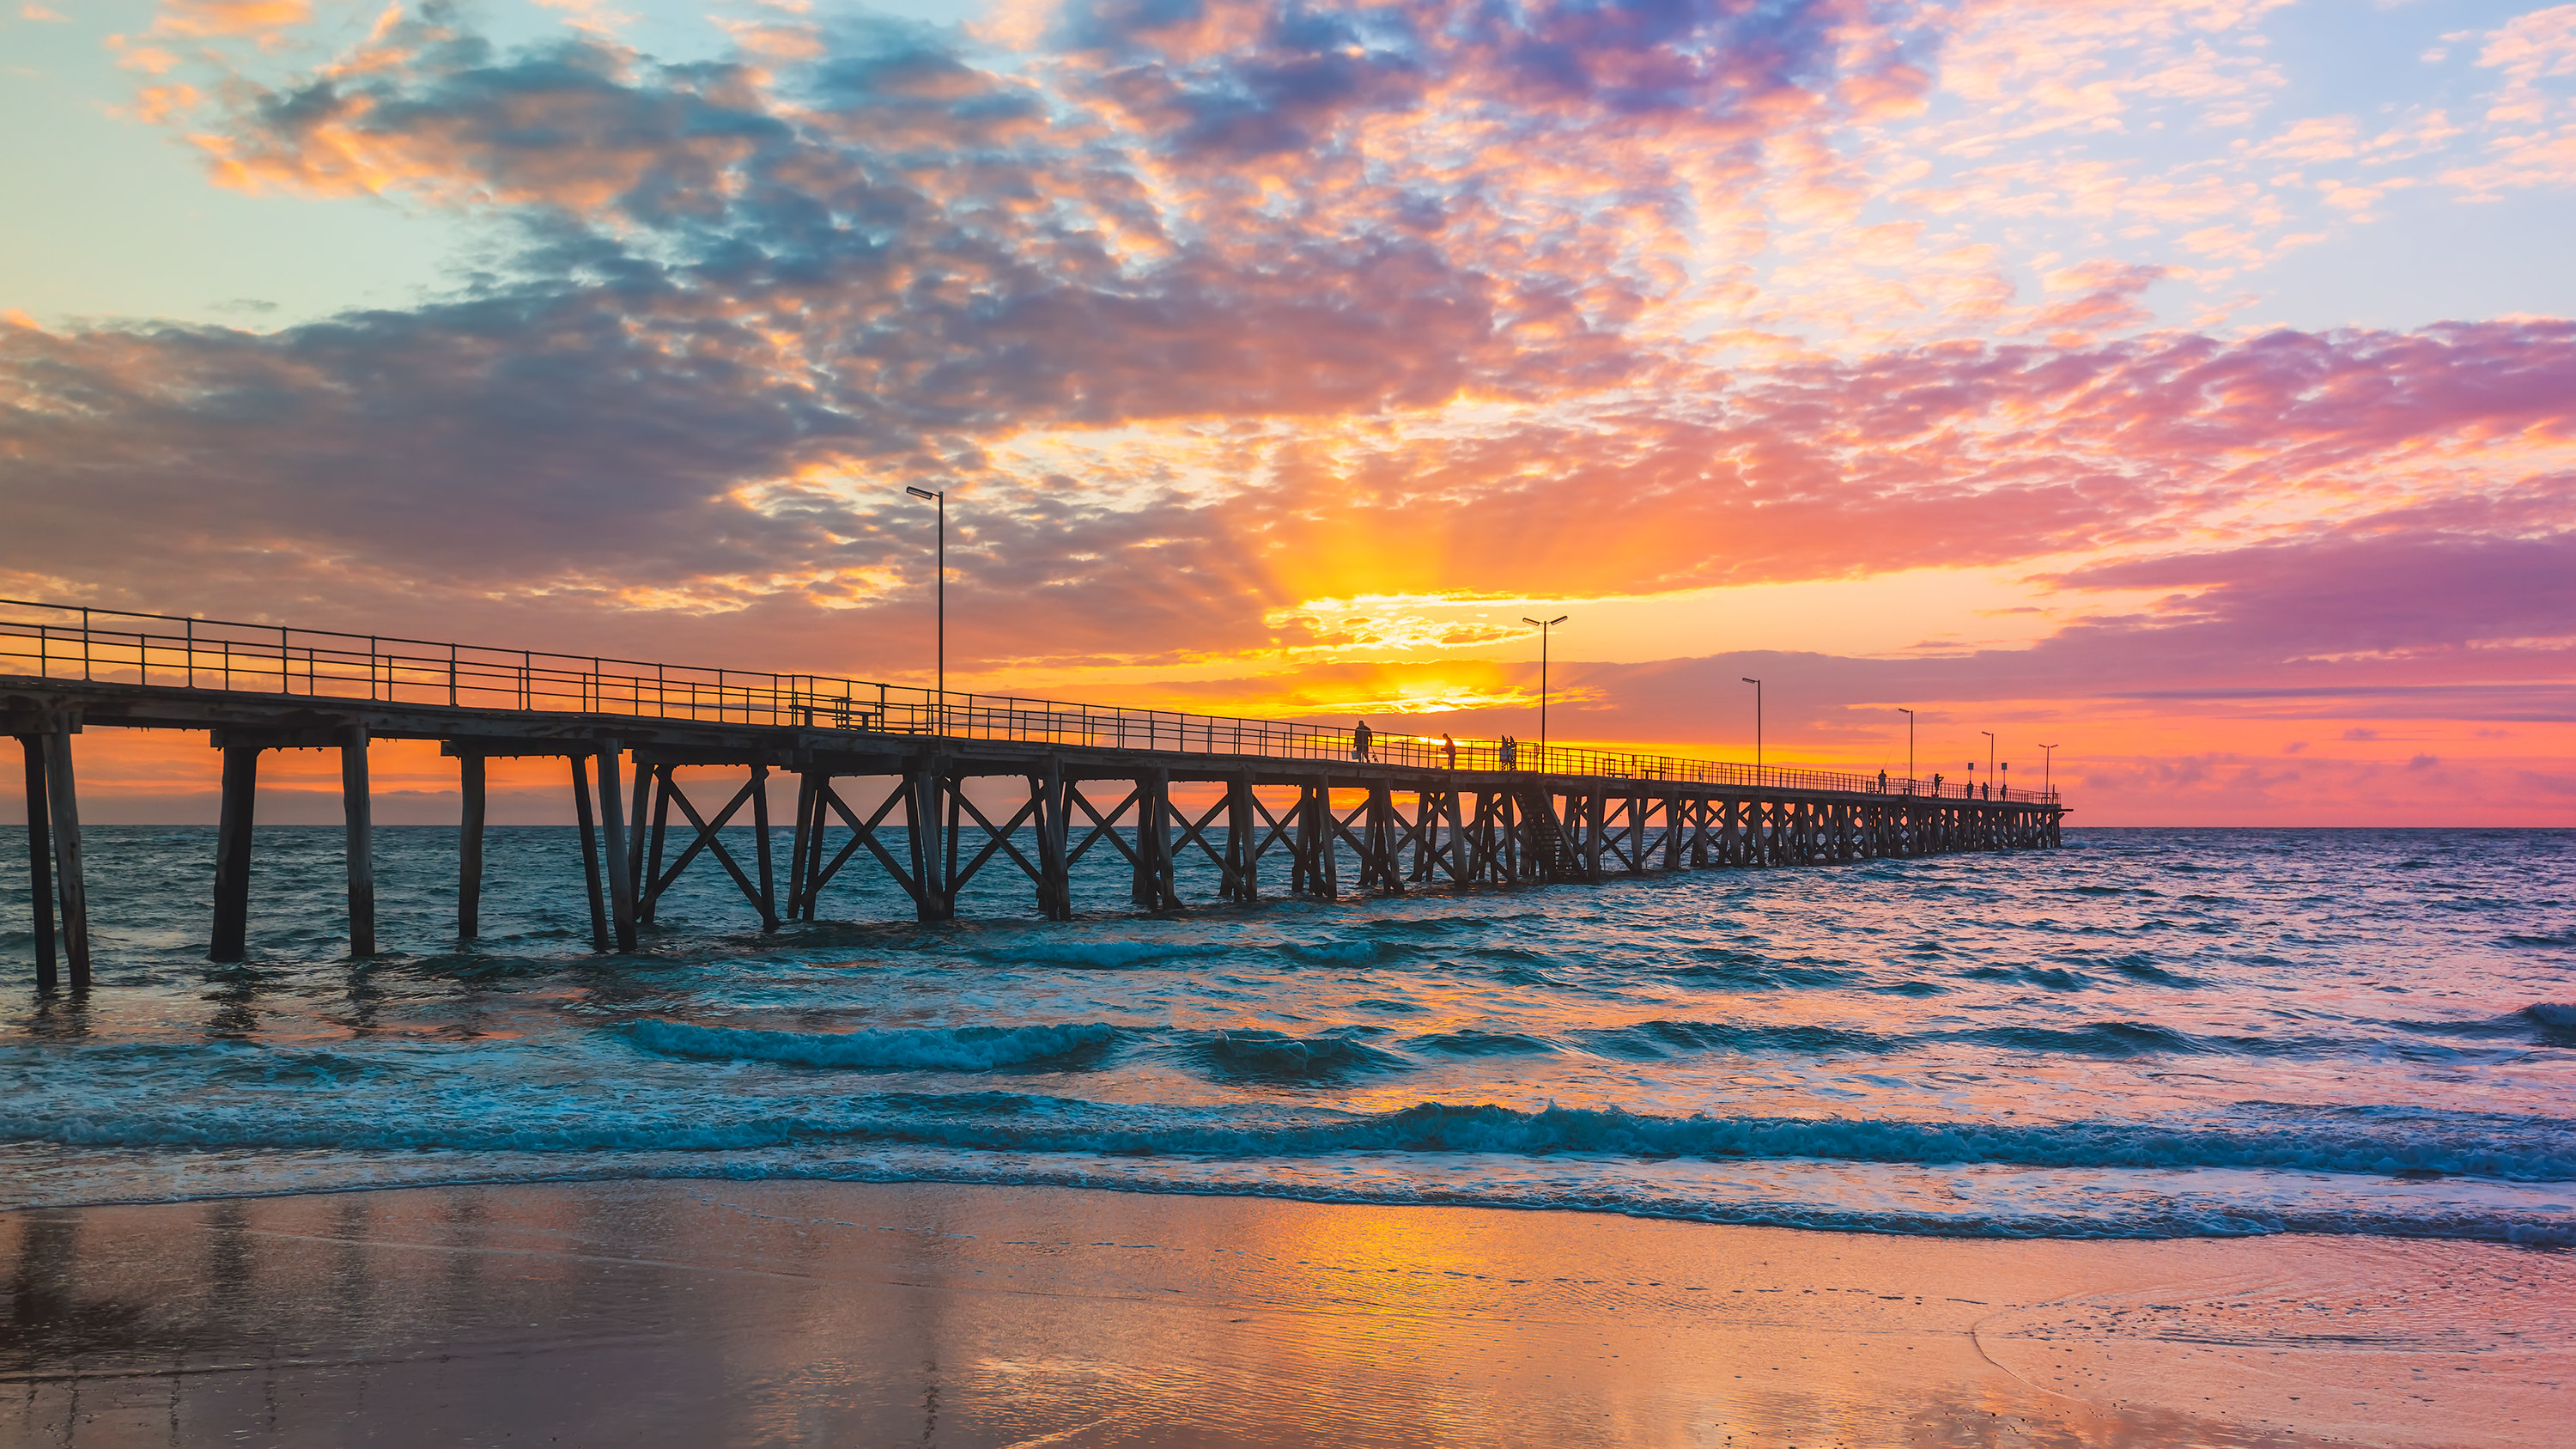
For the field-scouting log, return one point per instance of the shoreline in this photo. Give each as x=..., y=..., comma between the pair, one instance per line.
x=1972, y=1201
x=711, y=1310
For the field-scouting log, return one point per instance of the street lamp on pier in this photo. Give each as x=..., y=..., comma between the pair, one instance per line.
x=1909, y=747
x=1543, y=626
x=1990, y=755
x=1757, y=728
x=2048, y=761
x=940, y=498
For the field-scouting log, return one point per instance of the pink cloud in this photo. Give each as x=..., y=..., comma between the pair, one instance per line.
x=1205, y=311
x=203, y=18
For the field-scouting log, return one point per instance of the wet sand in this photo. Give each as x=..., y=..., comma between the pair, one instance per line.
x=711, y=1313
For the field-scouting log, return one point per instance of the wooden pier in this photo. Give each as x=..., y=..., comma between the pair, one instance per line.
x=1083, y=778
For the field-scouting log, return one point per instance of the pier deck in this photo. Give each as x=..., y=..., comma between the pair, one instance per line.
x=1084, y=777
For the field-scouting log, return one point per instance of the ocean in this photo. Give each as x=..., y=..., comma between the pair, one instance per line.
x=2149, y=1033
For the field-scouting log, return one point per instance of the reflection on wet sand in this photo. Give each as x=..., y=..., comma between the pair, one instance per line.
x=712, y=1313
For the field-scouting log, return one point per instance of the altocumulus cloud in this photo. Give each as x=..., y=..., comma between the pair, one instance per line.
x=1193, y=297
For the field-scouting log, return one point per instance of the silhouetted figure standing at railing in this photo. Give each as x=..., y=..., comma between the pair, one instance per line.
x=1511, y=753
x=1448, y=751
x=1882, y=782
x=1360, y=736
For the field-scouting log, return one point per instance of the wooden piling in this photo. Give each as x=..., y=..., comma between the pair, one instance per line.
x=1242, y=840
x=589, y=850
x=922, y=811
x=1153, y=888
x=40, y=862
x=612, y=832
x=651, y=793
x=1055, y=876
x=1470, y=836
x=1319, y=855
x=950, y=881
x=1149, y=827
x=800, y=843
x=1386, y=834
x=811, y=884
x=230, y=939
x=1596, y=829
x=760, y=829
x=1304, y=878
x=357, y=815
x=470, y=771
x=652, y=872
x=1167, y=869
x=921, y=828
x=71, y=887
x=641, y=802
x=1449, y=815
x=1378, y=865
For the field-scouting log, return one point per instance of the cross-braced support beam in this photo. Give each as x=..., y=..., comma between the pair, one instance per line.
x=760, y=889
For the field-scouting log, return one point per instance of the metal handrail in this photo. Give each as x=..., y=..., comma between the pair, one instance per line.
x=178, y=651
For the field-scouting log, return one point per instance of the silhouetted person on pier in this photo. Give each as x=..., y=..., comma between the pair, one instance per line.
x=1449, y=748
x=1882, y=782
x=1511, y=753
x=1936, y=784
x=1360, y=741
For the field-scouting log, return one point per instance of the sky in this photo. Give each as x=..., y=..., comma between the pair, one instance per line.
x=2189, y=385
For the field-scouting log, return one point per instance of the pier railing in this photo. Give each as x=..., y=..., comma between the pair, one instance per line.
x=71, y=642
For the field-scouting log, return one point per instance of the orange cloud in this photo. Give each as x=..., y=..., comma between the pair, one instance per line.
x=229, y=18
x=1251, y=342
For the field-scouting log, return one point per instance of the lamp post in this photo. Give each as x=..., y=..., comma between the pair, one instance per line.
x=1990, y=755
x=1757, y=728
x=1909, y=747
x=1543, y=626
x=2048, y=762
x=940, y=498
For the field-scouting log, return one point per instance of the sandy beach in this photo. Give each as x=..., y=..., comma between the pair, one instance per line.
x=709, y=1313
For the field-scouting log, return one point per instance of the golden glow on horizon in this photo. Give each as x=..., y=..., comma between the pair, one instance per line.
x=1893, y=614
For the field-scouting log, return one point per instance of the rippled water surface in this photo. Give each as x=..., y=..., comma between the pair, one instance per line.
x=2146, y=1033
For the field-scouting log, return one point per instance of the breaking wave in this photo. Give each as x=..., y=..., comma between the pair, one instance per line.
x=529, y=1119
x=2153, y=1032
x=948, y=1049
